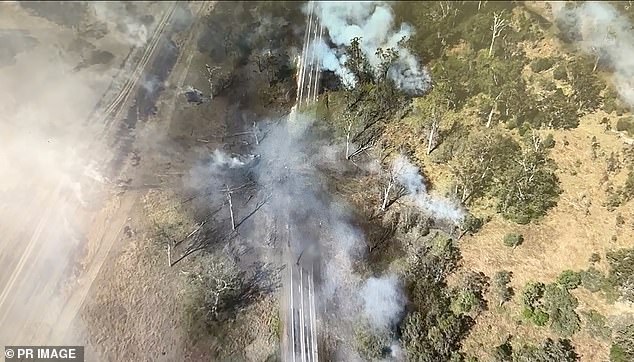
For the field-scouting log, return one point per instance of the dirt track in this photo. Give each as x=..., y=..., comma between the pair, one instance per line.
x=58, y=229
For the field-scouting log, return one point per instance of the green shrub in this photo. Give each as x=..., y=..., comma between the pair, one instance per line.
x=560, y=72
x=541, y=64
x=625, y=124
x=531, y=298
x=533, y=292
x=472, y=224
x=540, y=318
x=370, y=344
x=549, y=141
x=596, y=324
x=464, y=302
x=622, y=272
x=513, y=240
x=503, y=352
x=622, y=349
x=569, y=279
x=549, y=351
x=503, y=292
x=561, y=305
x=619, y=354
x=612, y=103
x=592, y=279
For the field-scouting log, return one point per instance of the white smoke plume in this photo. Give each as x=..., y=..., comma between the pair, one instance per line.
x=383, y=301
x=129, y=30
x=373, y=22
x=220, y=159
x=604, y=31
x=409, y=176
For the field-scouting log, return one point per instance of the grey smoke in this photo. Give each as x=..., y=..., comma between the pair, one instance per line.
x=383, y=301
x=410, y=177
x=129, y=29
x=373, y=22
x=604, y=31
x=220, y=159
x=290, y=174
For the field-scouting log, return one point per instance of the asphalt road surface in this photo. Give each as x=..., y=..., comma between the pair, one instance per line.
x=300, y=341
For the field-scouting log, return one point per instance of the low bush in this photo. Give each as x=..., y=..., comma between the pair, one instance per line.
x=513, y=240
x=542, y=64
x=596, y=324
x=569, y=279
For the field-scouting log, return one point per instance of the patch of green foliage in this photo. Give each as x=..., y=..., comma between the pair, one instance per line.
x=469, y=294
x=569, y=279
x=625, y=124
x=502, y=291
x=596, y=325
x=432, y=331
x=472, y=224
x=592, y=279
x=503, y=352
x=612, y=103
x=549, y=351
x=532, y=301
x=371, y=345
x=551, y=303
x=560, y=72
x=595, y=281
x=586, y=85
x=513, y=240
x=621, y=274
x=529, y=187
x=560, y=306
x=542, y=64
x=622, y=349
x=494, y=164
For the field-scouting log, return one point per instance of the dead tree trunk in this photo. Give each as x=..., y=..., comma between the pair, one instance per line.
x=386, y=194
x=493, y=110
x=430, y=140
x=348, y=140
x=255, y=133
x=432, y=133
x=233, y=222
x=499, y=24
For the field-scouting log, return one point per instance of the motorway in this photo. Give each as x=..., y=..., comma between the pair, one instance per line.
x=57, y=243
x=301, y=320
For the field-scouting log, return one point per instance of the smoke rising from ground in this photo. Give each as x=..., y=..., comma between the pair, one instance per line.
x=409, y=176
x=383, y=301
x=373, y=22
x=290, y=167
x=605, y=32
x=128, y=29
